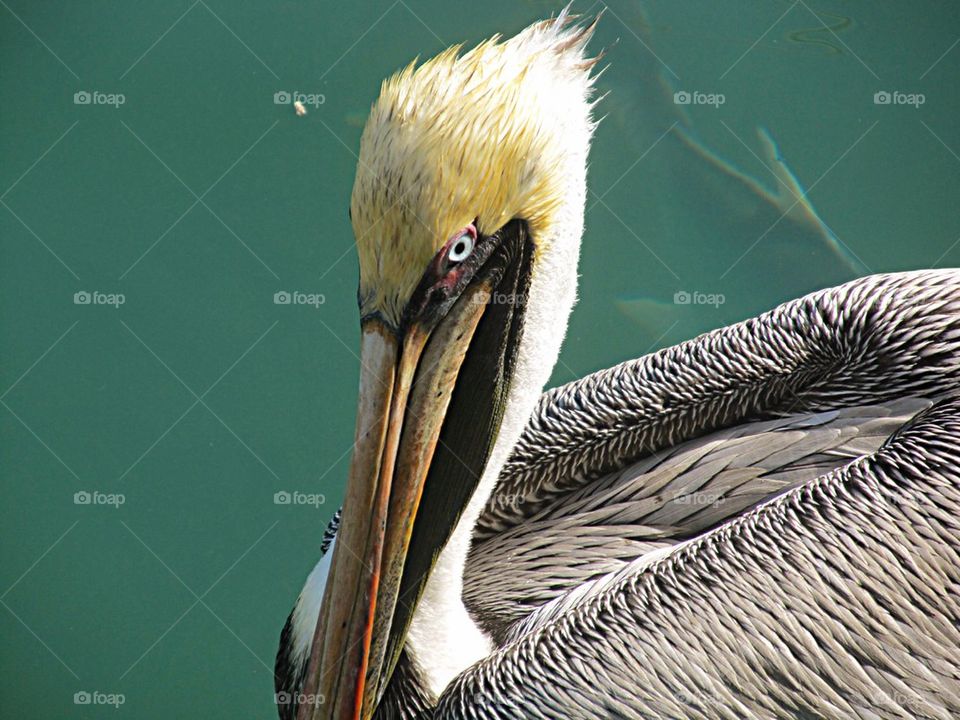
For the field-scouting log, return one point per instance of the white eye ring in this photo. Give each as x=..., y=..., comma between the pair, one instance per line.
x=461, y=248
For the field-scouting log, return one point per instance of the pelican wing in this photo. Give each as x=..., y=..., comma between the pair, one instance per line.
x=664, y=499
x=837, y=599
x=870, y=341
x=821, y=582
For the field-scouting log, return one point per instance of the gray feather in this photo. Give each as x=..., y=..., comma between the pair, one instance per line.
x=763, y=522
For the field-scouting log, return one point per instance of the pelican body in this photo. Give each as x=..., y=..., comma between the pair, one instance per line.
x=762, y=522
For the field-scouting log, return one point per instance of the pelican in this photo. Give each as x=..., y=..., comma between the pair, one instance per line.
x=761, y=522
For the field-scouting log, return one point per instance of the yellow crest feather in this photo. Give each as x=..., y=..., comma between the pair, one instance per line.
x=464, y=137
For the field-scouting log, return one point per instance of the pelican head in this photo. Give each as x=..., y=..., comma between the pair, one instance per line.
x=467, y=211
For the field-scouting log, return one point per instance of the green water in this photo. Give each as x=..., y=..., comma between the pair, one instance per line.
x=198, y=198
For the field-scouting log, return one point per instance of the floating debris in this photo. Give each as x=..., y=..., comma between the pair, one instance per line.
x=818, y=35
x=299, y=108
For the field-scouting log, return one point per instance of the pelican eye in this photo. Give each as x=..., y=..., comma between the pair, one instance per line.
x=462, y=245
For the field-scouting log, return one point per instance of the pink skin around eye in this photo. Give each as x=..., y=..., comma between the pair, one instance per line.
x=468, y=230
x=440, y=259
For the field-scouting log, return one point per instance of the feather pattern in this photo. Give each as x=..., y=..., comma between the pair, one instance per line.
x=661, y=501
x=837, y=599
x=872, y=340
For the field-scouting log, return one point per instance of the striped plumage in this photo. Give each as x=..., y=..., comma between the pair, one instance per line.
x=661, y=500
x=839, y=599
x=836, y=600
x=838, y=347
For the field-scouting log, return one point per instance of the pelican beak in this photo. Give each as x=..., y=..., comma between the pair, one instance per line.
x=416, y=462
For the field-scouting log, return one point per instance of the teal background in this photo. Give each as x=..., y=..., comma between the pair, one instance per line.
x=199, y=198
